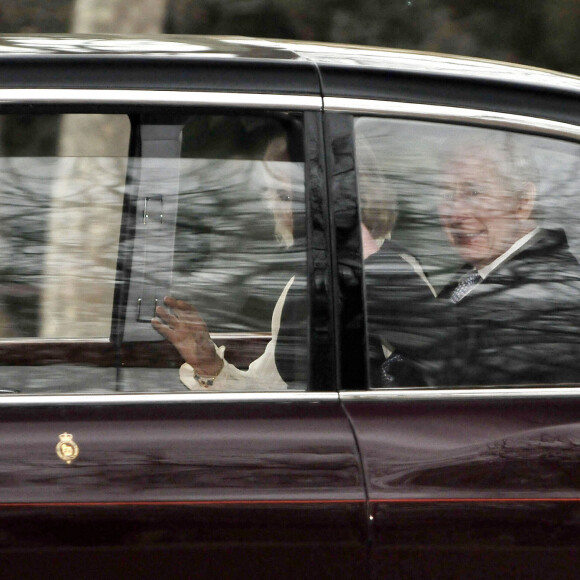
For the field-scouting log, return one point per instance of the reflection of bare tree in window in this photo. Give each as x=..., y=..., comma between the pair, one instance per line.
x=560, y=176
x=26, y=143
x=228, y=260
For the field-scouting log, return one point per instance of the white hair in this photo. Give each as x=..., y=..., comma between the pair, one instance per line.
x=507, y=152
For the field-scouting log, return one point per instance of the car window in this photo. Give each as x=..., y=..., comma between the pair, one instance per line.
x=472, y=244
x=106, y=216
x=220, y=254
x=240, y=232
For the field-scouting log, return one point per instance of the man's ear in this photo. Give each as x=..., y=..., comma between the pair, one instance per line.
x=526, y=202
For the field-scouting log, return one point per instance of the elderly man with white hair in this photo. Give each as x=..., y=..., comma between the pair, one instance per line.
x=517, y=298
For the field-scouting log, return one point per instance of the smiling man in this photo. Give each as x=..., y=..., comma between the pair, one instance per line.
x=487, y=207
x=517, y=298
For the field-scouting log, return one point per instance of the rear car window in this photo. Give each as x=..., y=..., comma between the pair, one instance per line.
x=106, y=215
x=472, y=277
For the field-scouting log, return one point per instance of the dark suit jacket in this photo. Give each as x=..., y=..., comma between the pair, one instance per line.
x=522, y=323
x=402, y=312
x=392, y=287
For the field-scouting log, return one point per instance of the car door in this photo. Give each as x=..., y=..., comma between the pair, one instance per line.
x=108, y=457
x=469, y=433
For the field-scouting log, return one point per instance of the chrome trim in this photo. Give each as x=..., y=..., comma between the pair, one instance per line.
x=104, y=340
x=477, y=393
x=452, y=114
x=141, y=97
x=40, y=340
x=240, y=335
x=169, y=398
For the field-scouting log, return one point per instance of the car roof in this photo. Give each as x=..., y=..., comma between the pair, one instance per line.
x=323, y=55
x=225, y=64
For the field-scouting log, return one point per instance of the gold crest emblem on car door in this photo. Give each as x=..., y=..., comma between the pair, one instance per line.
x=66, y=448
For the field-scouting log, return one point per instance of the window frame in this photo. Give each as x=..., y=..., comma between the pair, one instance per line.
x=321, y=332
x=354, y=367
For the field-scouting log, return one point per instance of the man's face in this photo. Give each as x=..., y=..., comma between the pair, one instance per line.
x=479, y=215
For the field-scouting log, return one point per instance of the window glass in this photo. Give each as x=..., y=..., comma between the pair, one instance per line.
x=62, y=179
x=471, y=240
x=240, y=226
x=236, y=305
x=62, y=182
x=211, y=215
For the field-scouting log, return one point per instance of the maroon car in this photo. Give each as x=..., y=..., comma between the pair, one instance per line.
x=382, y=245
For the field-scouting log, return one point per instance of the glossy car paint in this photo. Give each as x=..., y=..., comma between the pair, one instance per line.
x=460, y=482
x=483, y=482
x=207, y=472
x=439, y=484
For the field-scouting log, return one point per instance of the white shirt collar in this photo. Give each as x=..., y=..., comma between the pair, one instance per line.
x=487, y=270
